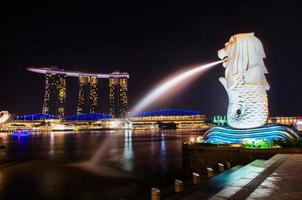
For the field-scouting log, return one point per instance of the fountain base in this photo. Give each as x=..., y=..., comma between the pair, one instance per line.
x=228, y=135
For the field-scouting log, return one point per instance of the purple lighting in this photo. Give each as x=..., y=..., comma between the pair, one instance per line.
x=21, y=133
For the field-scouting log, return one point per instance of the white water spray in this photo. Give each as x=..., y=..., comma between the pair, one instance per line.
x=163, y=88
x=96, y=163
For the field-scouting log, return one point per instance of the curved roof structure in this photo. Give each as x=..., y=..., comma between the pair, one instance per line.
x=4, y=116
x=55, y=70
x=87, y=117
x=167, y=112
x=34, y=117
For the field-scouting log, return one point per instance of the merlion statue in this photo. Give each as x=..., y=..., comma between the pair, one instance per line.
x=245, y=81
x=246, y=87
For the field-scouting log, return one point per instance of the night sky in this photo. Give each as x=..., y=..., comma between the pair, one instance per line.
x=151, y=42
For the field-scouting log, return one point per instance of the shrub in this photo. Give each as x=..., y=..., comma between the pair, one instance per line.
x=257, y=143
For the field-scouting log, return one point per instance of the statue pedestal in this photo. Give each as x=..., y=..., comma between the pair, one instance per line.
x=228, y=135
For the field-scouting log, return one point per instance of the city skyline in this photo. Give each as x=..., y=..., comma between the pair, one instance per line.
x=55, y=92
x=151, y=42
x=147, y=100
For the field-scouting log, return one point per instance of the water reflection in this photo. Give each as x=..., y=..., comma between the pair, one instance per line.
x=162, y=152
x=21, y=139
x=1, y=182
x=96, y=164
x=128, y=151
x=52, y=140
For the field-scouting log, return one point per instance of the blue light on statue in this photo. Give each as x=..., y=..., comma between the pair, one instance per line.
x=226, y=135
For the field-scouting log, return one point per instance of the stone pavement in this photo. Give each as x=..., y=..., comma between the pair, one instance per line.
x=278, y=178
x=284, y=183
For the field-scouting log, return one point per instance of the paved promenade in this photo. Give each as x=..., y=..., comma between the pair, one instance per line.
x=278, y=178
x=210, y=187
x=284, y=183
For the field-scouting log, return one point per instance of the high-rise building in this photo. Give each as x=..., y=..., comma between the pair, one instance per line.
x=118, y=96
x=61, y=90
x=55, y=94
x=55, y=91
x=88, y=94
x=93, y=94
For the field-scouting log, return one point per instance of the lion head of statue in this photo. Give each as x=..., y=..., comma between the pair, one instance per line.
x=243, y=57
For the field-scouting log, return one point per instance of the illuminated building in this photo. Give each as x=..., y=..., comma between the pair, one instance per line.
x=118, y=96
x=182, y=119
x=185, y=119
x=55, y=91
x=88, y=94
x=55, y=94
x=290, y=121
x=88, y=117
x=93, y=94
x=35, y=117
x=93, y=121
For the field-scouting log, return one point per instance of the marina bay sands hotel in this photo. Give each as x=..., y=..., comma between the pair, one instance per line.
x=55, y=91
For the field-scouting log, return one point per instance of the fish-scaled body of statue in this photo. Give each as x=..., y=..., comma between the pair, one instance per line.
x=245, y=81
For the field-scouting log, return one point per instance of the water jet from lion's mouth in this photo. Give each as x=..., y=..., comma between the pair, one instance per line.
x=159, y=91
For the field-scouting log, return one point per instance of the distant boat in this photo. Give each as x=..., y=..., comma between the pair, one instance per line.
x=166, y=125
